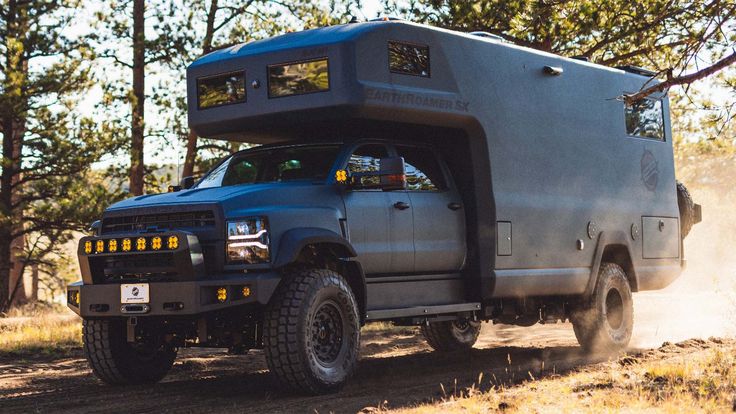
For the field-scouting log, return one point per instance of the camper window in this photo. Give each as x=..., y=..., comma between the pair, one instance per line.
x=218, y=90
x=298, y=78
x=408, y=59
x=645, y=119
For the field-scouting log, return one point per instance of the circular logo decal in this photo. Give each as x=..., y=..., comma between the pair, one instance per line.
x=134, y=291
x=649, y=170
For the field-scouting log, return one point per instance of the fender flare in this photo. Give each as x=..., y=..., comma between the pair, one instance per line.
x=605, y=239
x=293, y=241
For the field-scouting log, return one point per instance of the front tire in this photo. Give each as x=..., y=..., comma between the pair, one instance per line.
x=312, y=332
x=450, y=336
x=117, y=362
x=606, y=322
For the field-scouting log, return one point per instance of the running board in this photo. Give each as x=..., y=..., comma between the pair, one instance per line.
x=375, y=315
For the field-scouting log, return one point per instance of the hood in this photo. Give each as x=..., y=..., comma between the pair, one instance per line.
x=197, y=195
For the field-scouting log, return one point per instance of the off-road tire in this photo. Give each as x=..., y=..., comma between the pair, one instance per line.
x=451, y=336
x=310, y=310
x=115, y=361
x=605, y=323
x=686, y=205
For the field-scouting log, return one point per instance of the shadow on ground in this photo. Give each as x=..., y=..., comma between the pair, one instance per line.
x=395, y=367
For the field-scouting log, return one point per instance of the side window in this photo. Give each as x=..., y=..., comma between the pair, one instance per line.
x=423, y=171
x=366, y=158
x=645, y=119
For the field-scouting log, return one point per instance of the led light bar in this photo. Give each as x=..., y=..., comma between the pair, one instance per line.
x=120, y=245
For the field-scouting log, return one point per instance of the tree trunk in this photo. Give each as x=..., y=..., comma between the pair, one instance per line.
x=191, y=157
x=17, y=246
x=34, y=282
x=138, y=98
x=12, y=119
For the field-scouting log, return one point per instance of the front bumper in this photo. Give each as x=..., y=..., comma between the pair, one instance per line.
x=176, y=278
x=172, y=298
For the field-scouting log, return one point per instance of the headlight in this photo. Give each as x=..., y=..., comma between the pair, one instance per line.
x=247, y=241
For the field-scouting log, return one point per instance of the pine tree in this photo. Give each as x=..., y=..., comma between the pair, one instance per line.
x=47, y=149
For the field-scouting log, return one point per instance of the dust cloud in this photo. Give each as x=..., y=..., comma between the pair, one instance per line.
x=702, y=302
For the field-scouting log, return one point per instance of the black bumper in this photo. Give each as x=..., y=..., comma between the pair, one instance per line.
x=172, y=298
x=186, y=287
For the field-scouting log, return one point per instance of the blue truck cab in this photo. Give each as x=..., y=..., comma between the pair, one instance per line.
x=402, y=173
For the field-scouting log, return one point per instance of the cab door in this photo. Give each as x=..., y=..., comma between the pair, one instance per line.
x=380, y=225
x=438, y=213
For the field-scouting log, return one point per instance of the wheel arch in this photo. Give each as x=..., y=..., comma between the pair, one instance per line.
x=613, y=247
x=324, y=248
x=294, y=241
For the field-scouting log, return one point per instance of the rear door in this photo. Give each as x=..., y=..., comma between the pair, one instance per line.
x=439, y=217
x=380, y=226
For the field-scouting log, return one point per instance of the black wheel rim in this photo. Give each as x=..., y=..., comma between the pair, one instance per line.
x=614, y=309
x=327, y=333
x=461, y=326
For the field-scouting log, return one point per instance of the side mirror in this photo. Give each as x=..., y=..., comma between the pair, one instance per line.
x=391, y=176
x=187, y=182
x=393, y=173
x=95, y=228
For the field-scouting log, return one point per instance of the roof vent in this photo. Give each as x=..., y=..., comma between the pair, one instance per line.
x=637, y=70
x=488, y=36
x=581, y=57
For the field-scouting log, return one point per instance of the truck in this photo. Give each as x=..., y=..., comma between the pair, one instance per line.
x=399, y=173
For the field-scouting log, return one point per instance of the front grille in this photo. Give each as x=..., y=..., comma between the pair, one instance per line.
x=165, y=221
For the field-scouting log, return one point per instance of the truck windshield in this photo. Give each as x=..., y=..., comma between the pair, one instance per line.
x=289, y=163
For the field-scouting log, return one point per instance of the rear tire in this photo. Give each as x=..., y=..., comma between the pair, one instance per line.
x=117, y=362
x=605, y=323
x=450, y=336
x=311, y=332
x=686, y=205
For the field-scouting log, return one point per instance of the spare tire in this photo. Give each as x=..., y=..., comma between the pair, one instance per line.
x=687, y=209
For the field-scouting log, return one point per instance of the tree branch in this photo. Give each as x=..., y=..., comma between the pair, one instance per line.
x=682, y=80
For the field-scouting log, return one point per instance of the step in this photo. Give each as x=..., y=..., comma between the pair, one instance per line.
x=379, y=314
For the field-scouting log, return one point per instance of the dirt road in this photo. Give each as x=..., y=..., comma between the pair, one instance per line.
x=396, y=368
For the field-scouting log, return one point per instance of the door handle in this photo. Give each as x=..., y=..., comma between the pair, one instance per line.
x=454, y=206
x=401, y=205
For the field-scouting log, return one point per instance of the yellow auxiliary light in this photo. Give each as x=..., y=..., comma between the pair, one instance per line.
x=127, y=245
x=99, y=246
x=156, y=243
x=88, y=247
x=221, y=294
x=140, y=244
x=74, y=297
x=341, y=176
x=246, y=291
x=173, y=242
x=112, y=245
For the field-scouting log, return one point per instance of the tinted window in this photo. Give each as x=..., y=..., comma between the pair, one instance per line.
x=228, y=88
x=423, y=171
x=645, y=119
x=298, y=78
x=366, y=158
x=408, y=59
x=275, y=164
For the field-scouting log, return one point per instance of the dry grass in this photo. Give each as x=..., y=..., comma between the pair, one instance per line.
x=39, y=333
x=667, y=380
